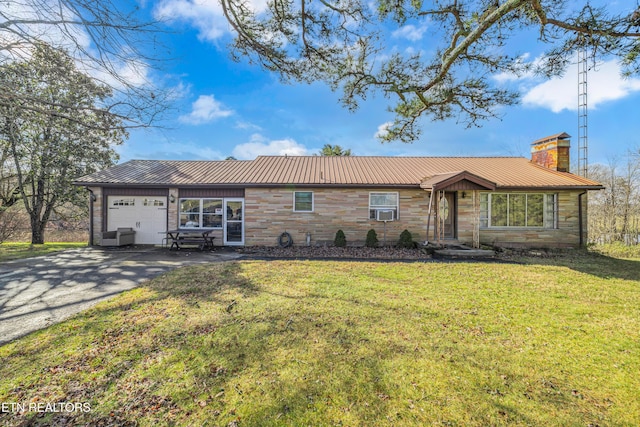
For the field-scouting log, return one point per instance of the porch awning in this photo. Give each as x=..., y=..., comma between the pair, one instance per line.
x=459, y=180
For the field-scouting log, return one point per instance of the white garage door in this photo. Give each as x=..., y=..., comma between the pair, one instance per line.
x=147, y=215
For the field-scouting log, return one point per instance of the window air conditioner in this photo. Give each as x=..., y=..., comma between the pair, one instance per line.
x=384, y=215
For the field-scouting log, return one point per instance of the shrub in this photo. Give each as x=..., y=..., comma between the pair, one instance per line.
x=372, y=239
x=406, y=240
x=341, y=240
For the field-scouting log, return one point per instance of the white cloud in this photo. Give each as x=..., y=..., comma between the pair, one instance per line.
x=168, y=149
x=410, y=32
x=205, y=16
x=604, y=84
x=134, y=73
x=244, y=125
x=260, y=146
x=205, y=109
x=383, y=129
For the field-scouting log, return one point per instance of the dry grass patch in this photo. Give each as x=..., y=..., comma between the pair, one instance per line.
x=359, y=344
x=18, y=250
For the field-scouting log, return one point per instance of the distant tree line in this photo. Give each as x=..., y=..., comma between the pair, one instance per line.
x=614, y=213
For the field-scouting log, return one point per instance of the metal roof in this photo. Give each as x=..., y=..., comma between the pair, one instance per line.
x=505, y=172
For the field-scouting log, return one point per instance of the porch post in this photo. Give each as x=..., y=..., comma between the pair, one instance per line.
x=429, y=215
x=476, y=218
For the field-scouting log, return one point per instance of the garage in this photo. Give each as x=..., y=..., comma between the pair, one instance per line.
x=147, y=215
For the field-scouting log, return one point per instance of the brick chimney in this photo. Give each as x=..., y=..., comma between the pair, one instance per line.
x=552, y=152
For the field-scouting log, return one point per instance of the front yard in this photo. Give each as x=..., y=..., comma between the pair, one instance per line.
x=550, y=341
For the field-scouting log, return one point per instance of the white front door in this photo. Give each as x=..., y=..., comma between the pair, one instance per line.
x=233, y=222
x=147, y=215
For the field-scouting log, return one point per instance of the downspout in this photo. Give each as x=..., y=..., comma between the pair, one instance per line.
x=92, y=198
x=580, y=221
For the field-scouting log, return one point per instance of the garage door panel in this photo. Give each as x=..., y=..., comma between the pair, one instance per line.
x=146, y=215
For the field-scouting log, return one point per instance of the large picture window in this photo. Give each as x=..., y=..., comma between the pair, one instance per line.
x=384, y=201
x=303, y=201
x=532, y=210
x=200, y=213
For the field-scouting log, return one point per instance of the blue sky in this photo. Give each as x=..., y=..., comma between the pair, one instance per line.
x=224, y=108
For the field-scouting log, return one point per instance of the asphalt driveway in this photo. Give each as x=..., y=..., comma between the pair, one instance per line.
x=37, y=292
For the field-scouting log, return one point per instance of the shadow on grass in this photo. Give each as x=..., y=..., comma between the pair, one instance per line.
x=186, y=347
x=593, y=263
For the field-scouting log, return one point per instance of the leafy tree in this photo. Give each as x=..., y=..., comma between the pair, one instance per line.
x=109, y=39
x=350, y=46
x=47, y=148
x=334, y=150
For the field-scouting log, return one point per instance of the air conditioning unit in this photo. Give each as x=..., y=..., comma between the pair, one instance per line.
x=384, y=215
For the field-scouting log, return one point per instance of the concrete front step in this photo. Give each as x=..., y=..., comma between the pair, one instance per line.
x=463, y=252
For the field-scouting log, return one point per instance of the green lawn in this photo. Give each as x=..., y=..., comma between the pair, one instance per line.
x=550, y=342
x=18, y=250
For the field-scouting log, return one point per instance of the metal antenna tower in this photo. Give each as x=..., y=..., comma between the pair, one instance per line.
x=582, y=112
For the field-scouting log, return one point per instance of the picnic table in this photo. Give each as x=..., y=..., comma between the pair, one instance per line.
x=190, y=236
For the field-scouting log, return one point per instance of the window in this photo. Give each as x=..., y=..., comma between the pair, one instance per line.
x=124, y=202
x=386, y=201
x=303, y=201
x=518, y=210
x=196, y=213
x=154, y=202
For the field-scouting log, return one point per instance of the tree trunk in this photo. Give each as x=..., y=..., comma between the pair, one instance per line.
x=37, y=231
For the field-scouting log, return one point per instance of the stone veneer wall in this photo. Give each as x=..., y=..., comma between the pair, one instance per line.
x=269, y=212
x=566, y=235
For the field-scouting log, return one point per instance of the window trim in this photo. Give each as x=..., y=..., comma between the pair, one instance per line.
x=312, y=202
x=396, y=208
x=550, y=211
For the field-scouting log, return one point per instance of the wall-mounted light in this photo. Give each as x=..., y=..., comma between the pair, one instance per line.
x=93, y=197
x=464, y=194
x=172, y=198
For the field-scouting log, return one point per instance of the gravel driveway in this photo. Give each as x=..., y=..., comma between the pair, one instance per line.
x=37, y=292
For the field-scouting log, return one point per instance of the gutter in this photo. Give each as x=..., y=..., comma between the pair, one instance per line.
x=92, y=198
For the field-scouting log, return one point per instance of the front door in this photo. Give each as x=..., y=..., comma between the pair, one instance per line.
x=447, y=214
x=234, y=222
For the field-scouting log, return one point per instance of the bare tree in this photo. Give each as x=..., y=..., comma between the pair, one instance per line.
x=349, y=45
x=107, y=39
x=614, y=213
x=629, y=185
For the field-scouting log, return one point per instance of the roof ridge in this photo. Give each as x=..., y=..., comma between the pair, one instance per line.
x=392, y=157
